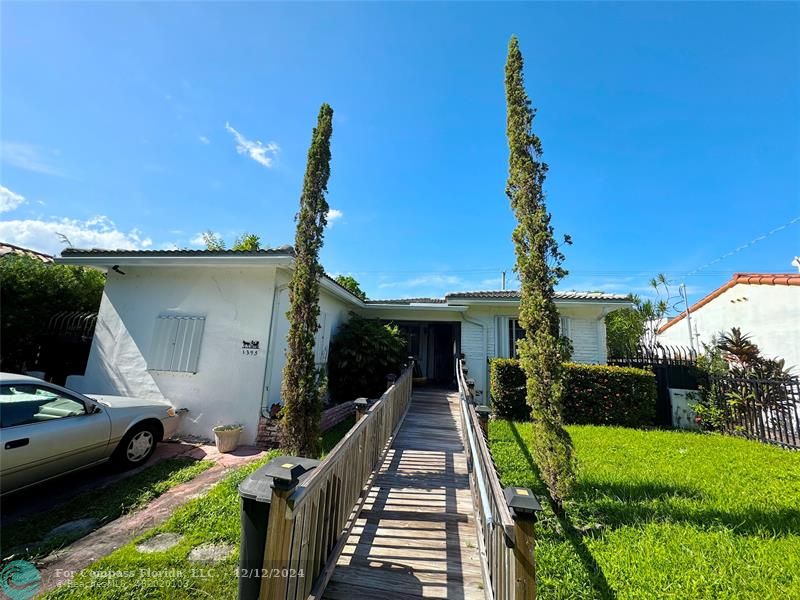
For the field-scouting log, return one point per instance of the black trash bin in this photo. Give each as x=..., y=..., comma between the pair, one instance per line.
x=256, y=495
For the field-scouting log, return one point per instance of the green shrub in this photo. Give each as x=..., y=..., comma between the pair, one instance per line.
x=31, y=292
x=603, y=395
x=363, y=352
x=507, y=386
x=593, y=394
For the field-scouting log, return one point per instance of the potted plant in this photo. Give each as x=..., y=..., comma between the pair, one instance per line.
x=227, y=437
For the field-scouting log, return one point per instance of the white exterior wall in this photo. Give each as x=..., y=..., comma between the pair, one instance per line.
x=333, y=312
x=237, y=304
x=770, y=314
x=478, y=343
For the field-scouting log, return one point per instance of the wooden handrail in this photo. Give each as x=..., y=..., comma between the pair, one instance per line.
x=506, y=535
x=491, y=478
x=309, y=522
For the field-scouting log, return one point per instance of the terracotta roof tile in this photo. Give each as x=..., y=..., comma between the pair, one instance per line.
x=20, y=251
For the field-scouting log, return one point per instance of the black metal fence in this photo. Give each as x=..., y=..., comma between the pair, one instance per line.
x=65, y=345
x=674, y=367
x=763, y=409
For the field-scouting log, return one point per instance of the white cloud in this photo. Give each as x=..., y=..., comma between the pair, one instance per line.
x=197, y=240
x=9, y=200
x=29, y=157
x=334, y=214
x=262, y=153
x=204, y=140
x=45, y=236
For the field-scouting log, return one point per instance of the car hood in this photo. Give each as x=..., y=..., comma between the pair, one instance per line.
x=128, y=402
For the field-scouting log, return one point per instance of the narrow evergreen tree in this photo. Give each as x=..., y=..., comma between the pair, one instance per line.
x=301, y=389
x=539, y=268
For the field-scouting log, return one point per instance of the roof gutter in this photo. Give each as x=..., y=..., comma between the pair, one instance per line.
x=337, y=290
x=175, y=261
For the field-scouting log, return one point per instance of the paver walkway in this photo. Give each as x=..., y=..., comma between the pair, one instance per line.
x=416, y=537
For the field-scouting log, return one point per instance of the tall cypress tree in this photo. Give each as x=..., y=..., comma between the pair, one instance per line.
x=301, y=389
x=539, y=268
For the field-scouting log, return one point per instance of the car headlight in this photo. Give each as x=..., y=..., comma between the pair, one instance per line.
x=171, y=412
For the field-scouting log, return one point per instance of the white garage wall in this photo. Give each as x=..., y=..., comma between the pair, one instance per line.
x=237, y=304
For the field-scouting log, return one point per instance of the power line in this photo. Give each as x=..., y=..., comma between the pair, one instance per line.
x=746, y=245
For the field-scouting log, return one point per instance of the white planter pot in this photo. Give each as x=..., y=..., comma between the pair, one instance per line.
x=227, y=440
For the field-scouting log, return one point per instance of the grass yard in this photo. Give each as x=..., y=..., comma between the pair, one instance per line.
x=213, y=518
x=24, y=538
x=664, y=514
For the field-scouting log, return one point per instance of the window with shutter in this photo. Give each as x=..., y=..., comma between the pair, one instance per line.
x=176, y=343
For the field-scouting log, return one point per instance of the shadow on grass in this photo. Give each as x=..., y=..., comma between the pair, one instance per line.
x=571, y=533
x=36, y=535
x=613, y=506
x=610, y=505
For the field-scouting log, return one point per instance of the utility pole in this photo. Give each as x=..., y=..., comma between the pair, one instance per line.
x=682, y=288
x=504, y=281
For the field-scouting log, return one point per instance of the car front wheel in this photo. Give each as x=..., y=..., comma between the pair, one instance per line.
x=137, y=446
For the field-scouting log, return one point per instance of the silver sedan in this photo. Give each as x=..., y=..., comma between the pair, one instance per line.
x=47, y=430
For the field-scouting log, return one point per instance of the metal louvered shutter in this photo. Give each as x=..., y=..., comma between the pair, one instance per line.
x=176, y=343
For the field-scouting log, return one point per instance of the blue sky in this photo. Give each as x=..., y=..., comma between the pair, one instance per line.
x=671, y=131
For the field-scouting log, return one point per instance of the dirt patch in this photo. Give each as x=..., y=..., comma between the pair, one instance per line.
x=210, y=553
x=159, y=543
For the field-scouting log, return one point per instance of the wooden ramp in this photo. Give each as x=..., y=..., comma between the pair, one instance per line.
x=416, y=537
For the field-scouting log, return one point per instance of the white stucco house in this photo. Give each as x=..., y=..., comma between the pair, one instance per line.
x=765, y=306
x=207, y=330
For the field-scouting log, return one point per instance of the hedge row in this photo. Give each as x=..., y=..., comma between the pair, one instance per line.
x=593, y=394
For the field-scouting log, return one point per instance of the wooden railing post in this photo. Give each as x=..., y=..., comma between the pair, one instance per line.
x=524, y=508
x=484, y=412
x=390, y=379
x=362, y=406
x=285, y=472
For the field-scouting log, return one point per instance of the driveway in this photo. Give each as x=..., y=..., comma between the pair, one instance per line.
x=47, y=495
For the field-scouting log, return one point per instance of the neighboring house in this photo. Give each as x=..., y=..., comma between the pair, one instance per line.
x=764, y=305
x=6, y=248
x=207, y=330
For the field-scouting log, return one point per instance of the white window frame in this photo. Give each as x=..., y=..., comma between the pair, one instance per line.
x=176, y=343
x=565, y=327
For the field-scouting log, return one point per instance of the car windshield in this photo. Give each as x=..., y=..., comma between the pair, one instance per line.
x=25, y=403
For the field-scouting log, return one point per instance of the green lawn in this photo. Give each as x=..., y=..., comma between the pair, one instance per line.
x=664, y=514
x=331, y=437
x=25, y=537
x=213, y=518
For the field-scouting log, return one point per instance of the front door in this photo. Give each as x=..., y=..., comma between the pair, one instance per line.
x=444, y=351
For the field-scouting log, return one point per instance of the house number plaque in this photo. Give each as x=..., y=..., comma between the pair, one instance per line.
x=250, y=348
